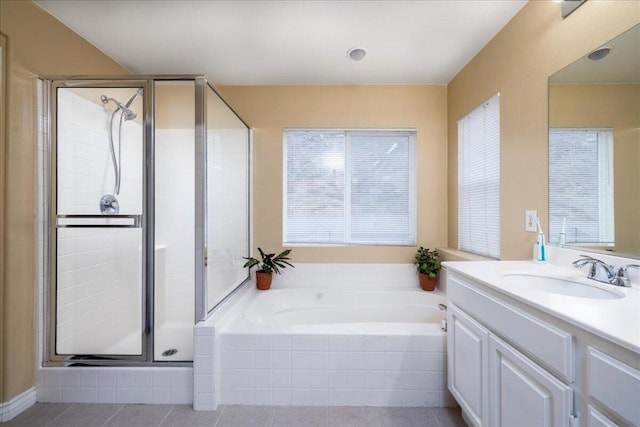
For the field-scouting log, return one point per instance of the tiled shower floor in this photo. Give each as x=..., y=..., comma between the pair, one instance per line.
x=88, y=415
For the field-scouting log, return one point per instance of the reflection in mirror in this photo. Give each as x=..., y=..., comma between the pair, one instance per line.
x=594, y=148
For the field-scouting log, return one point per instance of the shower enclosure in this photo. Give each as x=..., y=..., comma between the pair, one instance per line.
x=147, y=193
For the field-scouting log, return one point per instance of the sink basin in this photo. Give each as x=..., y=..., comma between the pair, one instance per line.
x=561, y=286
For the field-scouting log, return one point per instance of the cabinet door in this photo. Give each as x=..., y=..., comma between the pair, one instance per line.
x=467, y=361
x=523, y=394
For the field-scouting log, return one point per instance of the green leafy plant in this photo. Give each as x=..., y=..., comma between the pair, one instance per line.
x=271, y=263
x=427, y=262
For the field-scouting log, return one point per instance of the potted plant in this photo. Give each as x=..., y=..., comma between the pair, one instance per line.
x=427, y=264
x=271, y=263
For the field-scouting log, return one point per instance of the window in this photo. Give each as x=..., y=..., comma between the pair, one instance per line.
x=479, y=180
x=581, y=185
x=349, y=187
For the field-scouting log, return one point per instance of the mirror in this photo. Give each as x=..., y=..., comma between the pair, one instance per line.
x=3, y=105
x=3, y=77
x=594, y=149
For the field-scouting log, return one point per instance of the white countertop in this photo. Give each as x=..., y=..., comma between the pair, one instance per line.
x=617, y=320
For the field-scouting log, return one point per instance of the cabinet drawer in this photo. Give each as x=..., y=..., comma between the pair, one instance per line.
x=548, y=344
x=596, y=419
x=615, y=384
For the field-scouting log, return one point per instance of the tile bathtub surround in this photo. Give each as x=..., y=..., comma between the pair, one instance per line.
x=347, y=276
x=116, y=385
x=88, y=415
x=204, y=397
x=335, y=370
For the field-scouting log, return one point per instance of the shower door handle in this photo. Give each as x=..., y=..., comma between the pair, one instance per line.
x=99, y=221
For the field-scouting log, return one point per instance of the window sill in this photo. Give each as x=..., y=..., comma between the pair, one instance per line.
x=449, y=254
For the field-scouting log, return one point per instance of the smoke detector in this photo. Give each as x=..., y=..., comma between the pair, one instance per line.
x=356, y=53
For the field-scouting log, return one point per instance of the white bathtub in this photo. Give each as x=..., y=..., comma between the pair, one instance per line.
x=317, y=310
x=329, y=346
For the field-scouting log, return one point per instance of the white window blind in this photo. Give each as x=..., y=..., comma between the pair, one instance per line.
x=349, y=187
x=581, y=185
x=479, y=180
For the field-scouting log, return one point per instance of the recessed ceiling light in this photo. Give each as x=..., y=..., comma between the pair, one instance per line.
x=599, y=53
x=356, y=53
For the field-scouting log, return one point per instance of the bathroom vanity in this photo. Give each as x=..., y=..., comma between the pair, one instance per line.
x=540, y=345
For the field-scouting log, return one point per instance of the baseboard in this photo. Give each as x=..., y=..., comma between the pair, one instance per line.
x=17, y=405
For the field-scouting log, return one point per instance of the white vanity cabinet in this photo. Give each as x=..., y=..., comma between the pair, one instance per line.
x=511, y=364
x=495, y=384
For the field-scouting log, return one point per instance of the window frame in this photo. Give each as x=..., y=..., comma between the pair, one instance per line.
x=605, y=192
x=349, y=132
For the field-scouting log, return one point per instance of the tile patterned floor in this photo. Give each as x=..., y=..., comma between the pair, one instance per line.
x=89, y=415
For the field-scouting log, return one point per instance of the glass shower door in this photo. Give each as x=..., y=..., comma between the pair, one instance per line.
x=98, y=240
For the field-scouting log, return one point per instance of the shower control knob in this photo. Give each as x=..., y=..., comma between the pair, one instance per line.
x=109, y=205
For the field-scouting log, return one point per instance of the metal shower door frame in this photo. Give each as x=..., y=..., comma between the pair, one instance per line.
x=144, y=221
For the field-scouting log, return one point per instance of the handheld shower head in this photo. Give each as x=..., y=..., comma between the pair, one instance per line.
x=128, y=114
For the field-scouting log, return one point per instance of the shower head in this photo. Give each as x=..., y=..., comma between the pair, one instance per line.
x=128, y=114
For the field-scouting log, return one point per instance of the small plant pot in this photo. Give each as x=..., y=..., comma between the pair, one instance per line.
x=427, y=283
x=263, y=280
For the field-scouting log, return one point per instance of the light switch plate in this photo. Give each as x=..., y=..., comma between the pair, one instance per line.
x=531, y=221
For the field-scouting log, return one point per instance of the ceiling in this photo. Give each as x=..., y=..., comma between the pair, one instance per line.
x=289, y=42
x=621, y=65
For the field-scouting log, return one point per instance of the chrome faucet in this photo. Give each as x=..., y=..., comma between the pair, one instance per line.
x=603, y=272
x=598, y=270
x=623, y=276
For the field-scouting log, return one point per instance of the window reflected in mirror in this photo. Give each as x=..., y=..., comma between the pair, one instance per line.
x=581, y=186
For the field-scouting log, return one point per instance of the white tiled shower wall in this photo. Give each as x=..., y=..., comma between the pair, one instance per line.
x=99, y=274
x=227, y=234
x=175, y=231
x=85, y=169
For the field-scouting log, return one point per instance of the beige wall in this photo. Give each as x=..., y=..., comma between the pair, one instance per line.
x=614, y=106
x=269, y=109
x=536, y=43
x=38, y=44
